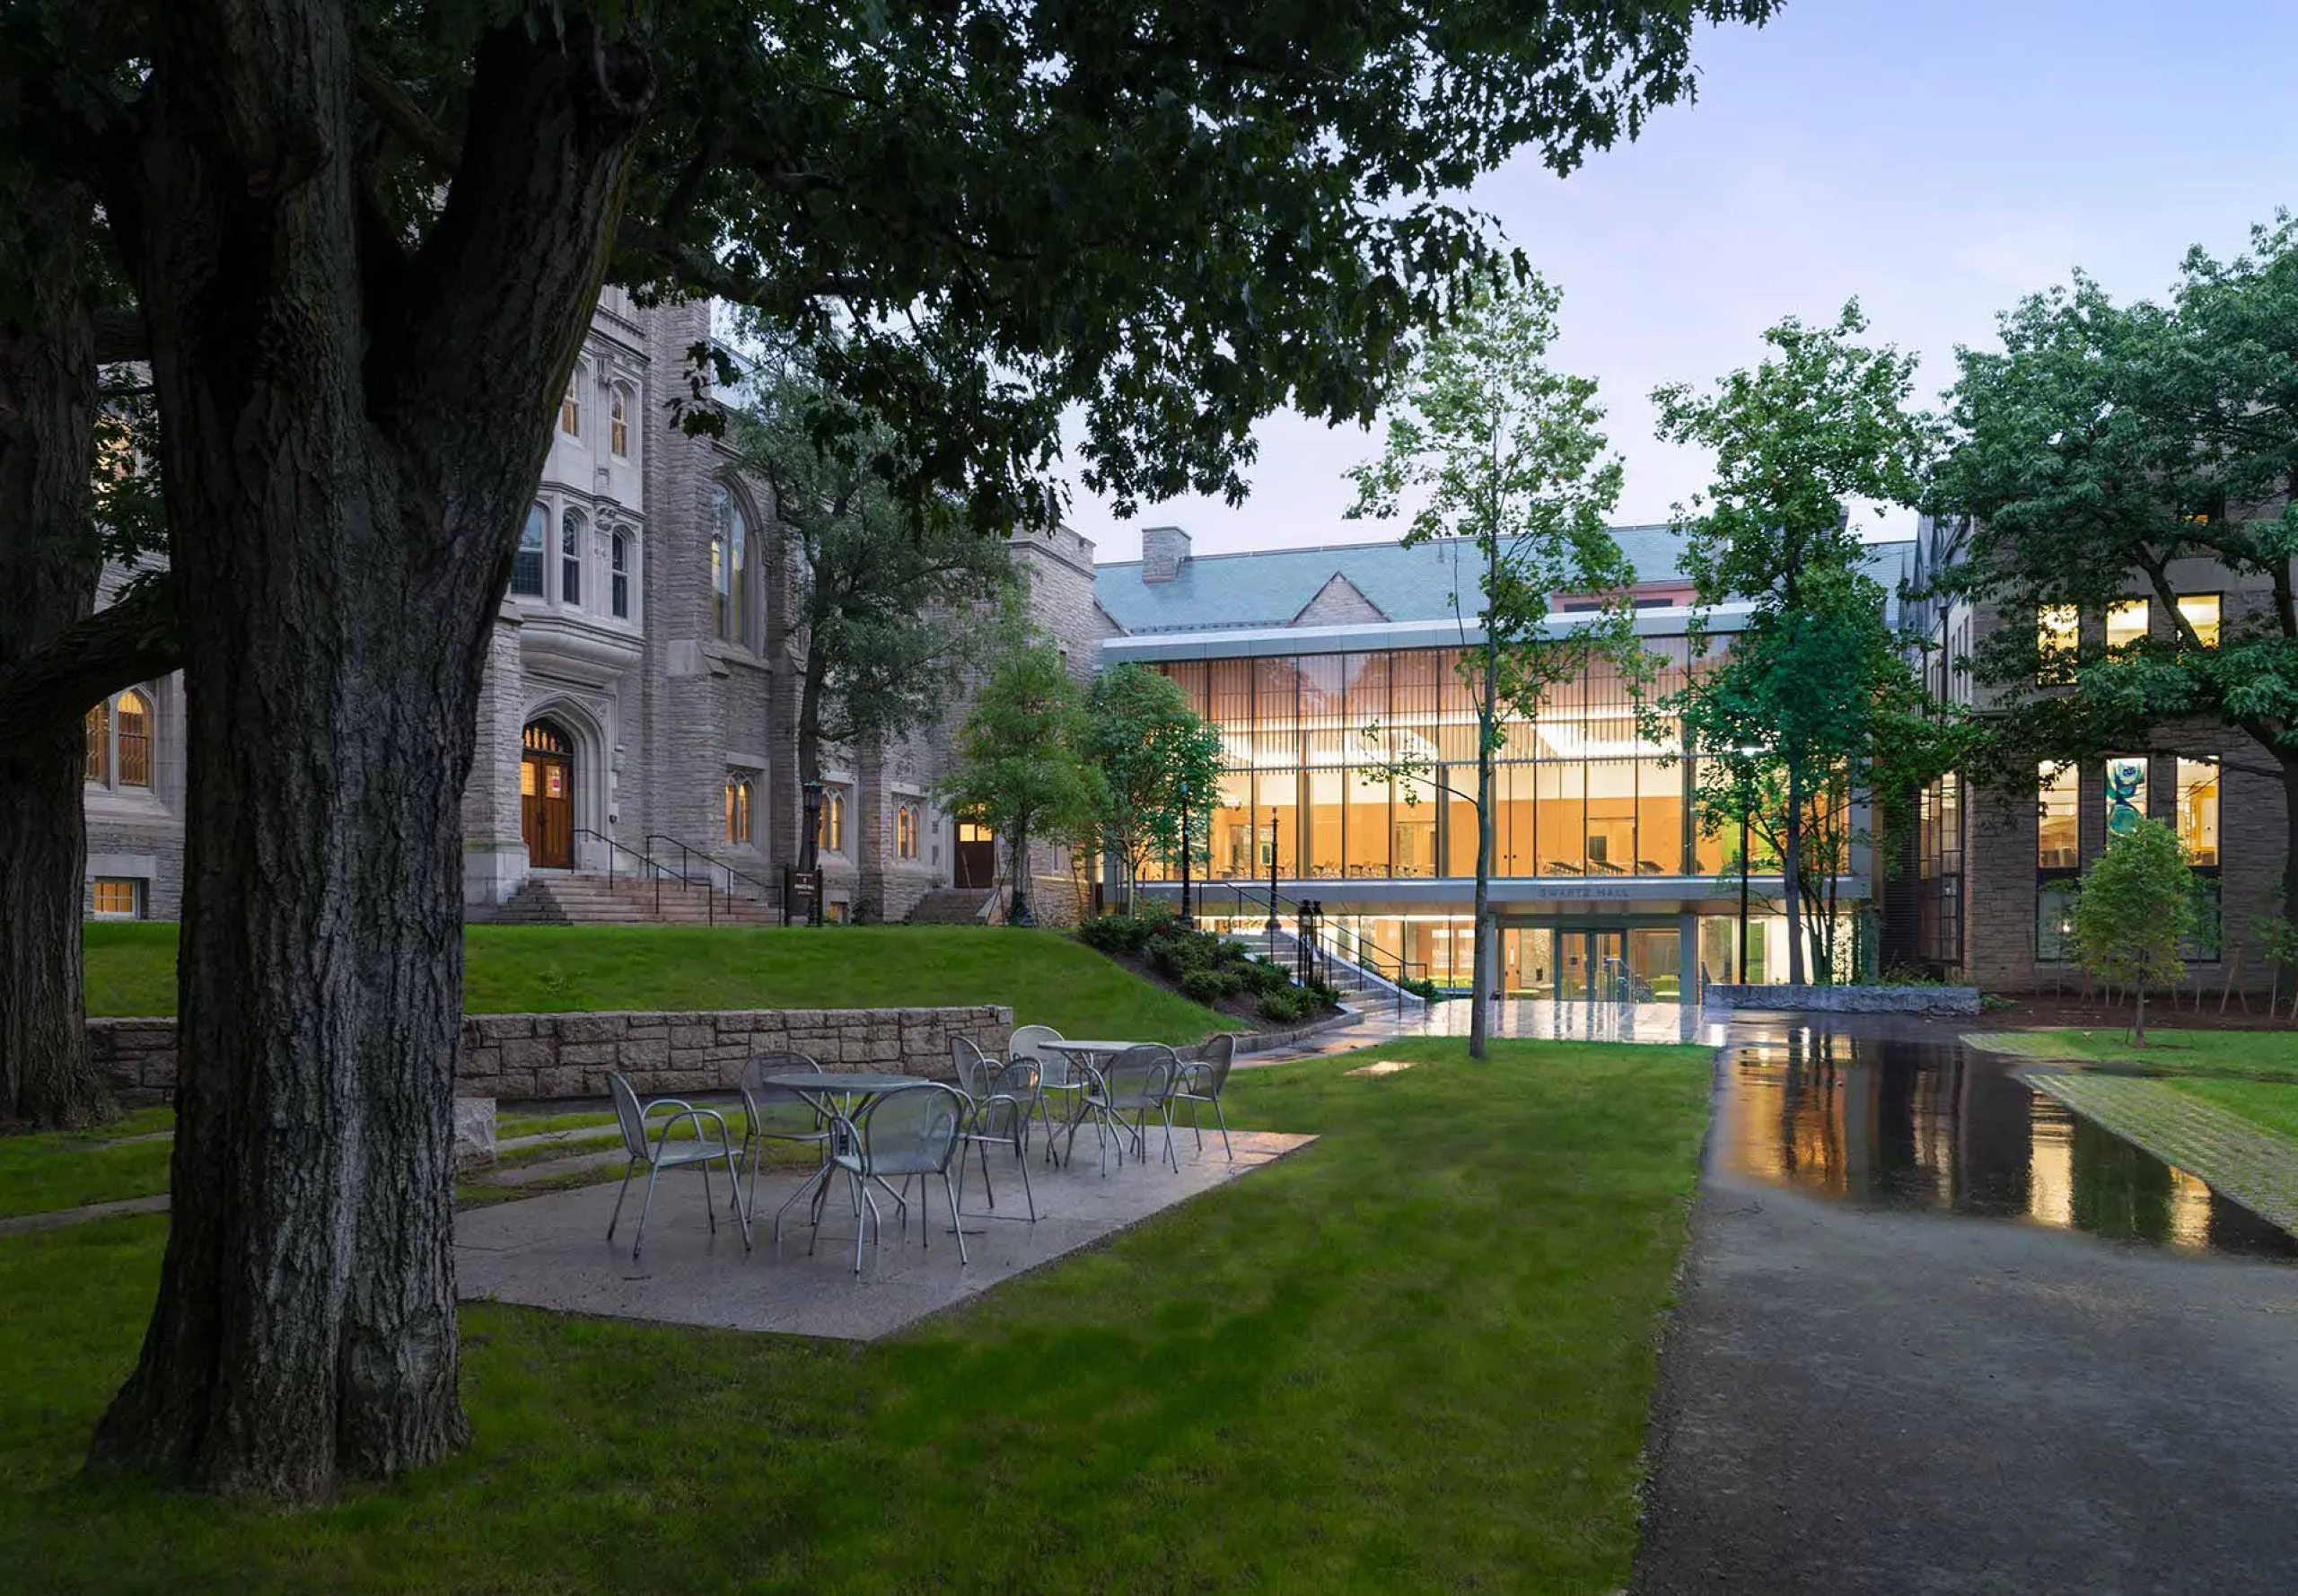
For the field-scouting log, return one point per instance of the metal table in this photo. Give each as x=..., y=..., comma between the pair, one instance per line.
x=1085, y=1050
x=854, y=1091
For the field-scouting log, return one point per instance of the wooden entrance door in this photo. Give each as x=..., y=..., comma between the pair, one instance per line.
x=977, y=855
x=546, y=797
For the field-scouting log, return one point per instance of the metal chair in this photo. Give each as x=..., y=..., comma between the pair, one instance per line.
x=911, y=1134
x=973, y=1066
x=759, y=1099
x=1001, y=1118
x=1201, y=1080
x=631, y=1115
x=1031, y=1042
x=1139, y=1082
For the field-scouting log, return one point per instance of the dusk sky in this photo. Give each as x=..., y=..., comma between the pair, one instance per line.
x=1936, y=159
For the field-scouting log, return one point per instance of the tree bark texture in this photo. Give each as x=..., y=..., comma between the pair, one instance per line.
x=49, y=563
x=351, y=432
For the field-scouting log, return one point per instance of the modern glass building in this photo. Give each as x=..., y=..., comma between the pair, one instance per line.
x=1328, y=668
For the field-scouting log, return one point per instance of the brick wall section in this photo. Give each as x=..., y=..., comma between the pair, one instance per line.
x=519, y=1056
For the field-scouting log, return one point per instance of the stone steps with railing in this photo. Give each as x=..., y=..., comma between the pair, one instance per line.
x=585, y=898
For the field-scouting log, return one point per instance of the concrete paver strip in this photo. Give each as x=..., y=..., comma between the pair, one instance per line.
x=58, y=1219
x=2241, y=1162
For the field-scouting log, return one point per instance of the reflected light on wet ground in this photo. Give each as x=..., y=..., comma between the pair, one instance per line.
x=1545, y=1019
x=1929, y=1124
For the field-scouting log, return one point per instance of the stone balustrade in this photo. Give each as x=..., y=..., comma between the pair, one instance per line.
x=518, y=1056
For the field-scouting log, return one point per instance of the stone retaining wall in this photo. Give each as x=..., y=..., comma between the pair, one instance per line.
x=1844, y=1000
x=547, y=1056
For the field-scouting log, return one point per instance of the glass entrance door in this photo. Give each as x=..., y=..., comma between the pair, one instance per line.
x=1636, y=964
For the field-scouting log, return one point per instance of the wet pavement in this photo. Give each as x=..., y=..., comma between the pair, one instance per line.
x=1936, y=1333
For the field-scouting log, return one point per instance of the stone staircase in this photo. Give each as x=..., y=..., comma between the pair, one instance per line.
x=953, y=906
x=1359, y=988
x=583, y=898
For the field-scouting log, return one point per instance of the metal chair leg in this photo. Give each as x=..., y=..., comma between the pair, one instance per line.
x=644, y=1208
x=950, y=1192
x=1223, y=1121
x=741, y=1210
x=628, y=1170
x=1028, y=1196
x=709, y=1203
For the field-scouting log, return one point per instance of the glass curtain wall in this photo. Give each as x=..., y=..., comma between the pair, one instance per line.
x=1581, y=791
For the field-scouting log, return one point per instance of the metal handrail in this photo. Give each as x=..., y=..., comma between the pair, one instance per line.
x=711, y=866
x=614, y=848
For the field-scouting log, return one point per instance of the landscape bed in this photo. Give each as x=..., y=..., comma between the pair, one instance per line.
x=1418, y=1355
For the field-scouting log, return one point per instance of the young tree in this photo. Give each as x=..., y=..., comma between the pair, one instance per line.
x=2100, y=445
x=1817, y=428
x=889, y=593
x=2136, y=905
x=1505, y=452
x=1019, y=768
x=1150, y=748
x=364, y=240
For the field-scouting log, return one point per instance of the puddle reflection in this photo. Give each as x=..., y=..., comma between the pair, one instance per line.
x=1928, y=1125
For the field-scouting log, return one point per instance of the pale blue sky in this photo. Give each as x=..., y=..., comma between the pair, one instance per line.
x=1936, y=158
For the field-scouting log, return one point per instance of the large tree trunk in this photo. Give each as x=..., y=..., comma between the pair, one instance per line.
x=2288, y=760
x=350, y=439
x=1480, y=977
x=49, y=561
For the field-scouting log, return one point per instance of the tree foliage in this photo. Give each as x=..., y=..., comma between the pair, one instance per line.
x=2136, y=905
x=1506, y=453
x=1811, y=706
x=1157, y=758
x=889, y=598
x=2097, y=446
x=1020, y=766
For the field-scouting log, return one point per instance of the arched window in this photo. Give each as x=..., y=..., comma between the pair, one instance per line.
x=729, y=565
x=120, y=741
x=570, y=408
x=99, y=742
x=620, y=574
x=905, y=831
x=526, y=568
x=570, y=558
x=740, y=795
x=832, y=831
x=618, y=422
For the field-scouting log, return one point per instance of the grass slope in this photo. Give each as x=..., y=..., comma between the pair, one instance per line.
x=1046, y=977
x=2267, y=1054
x=1417, y=1355
x=50, y=1170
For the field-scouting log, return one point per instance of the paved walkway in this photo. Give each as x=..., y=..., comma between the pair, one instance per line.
x=1858, y=1400
x=552, y=1251
x=56, y=1219
x=2241, y=1161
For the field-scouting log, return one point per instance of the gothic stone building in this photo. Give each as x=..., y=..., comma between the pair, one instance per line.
x=641, y=693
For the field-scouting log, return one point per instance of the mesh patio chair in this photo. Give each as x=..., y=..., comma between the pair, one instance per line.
x=1139, y=1082
x=1030, y=1042
x=1201, y=1081
x=909, y=1134
x=973, y=1066
x=661, y=1154
x=1001, y=1119
x=760, y=1103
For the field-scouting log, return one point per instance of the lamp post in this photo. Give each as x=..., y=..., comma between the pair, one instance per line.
x=1185, y=916
x=810, y=850
x=1271, y=926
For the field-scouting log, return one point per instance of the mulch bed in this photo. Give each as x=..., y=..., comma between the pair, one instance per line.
x=2074, y=1011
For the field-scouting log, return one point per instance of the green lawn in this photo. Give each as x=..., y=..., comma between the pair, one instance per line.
x=1418, y=1356
x=2272, y=1104
x=2263, y=1053
x=64, y=1170
x=1046, y=977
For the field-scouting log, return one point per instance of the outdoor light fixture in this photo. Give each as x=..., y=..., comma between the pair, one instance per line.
x=1271, y=927
x=810, y=849
x=1185, y=915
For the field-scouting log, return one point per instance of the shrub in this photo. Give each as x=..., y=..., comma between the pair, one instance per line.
x=1421, y=987
x=1210, y=986
x=1126, y=933
x=1285, y=1007
x=1264, y=974
x=1322, y=992
x=1177, y=953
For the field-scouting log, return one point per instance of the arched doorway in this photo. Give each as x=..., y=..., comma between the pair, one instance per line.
x=546, y=797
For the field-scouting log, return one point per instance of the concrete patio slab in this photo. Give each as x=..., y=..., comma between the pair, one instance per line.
x=552, y=1251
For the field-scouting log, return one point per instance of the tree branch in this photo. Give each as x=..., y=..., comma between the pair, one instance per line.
x=397, y=110
x=120, y=334
x=131, y=642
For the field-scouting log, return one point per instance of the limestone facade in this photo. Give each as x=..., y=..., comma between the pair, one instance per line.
x=647, y=650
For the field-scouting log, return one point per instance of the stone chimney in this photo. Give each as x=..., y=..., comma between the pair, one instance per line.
x=1164, y=550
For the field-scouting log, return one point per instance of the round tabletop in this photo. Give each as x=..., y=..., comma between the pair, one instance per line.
x=1092, y=1047
x=836, y=1081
